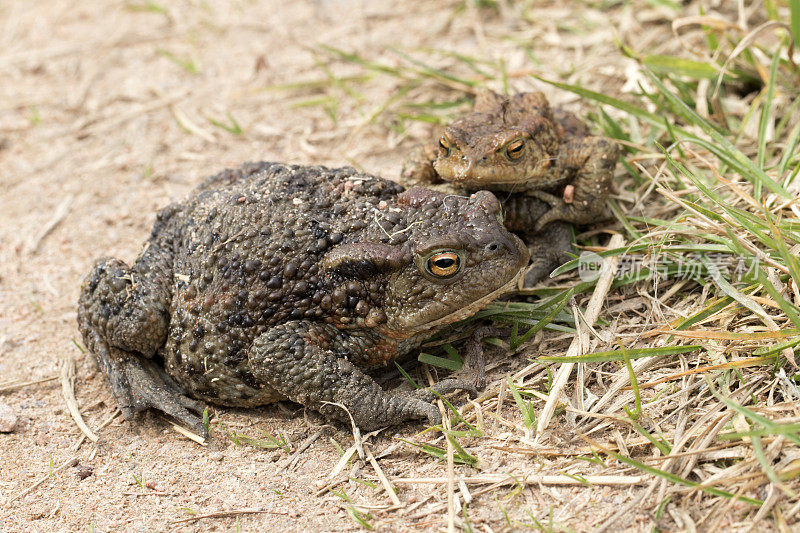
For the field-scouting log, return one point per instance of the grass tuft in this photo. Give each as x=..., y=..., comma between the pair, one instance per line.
x=707, y=296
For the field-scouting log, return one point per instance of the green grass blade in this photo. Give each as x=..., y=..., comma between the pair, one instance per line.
x=631, y=109
x=460, y=452
x=441, y=453
x=790, y=310
x=358, y=60
x=749, y=171
x=406, y=375
x=679, y=480
x=618, y=355
x=772, y=350
x=634, y=386
x=440, y=362
x=790, y=150
x=564, y=298
x=471, y=62
x=783, y=251
x=232, y=127
x=769, y=425
x=793, y=428
x=664, y=64
x=316, y=84
x=359, y=518
x=752, y=223
x=710, y=310
x=765, y=118
x=433, y=72
x=526, y=408
x=731, y=291
x=758, y=450
x=662, y=446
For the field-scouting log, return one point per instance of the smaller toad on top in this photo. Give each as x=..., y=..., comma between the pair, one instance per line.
x=519, y=144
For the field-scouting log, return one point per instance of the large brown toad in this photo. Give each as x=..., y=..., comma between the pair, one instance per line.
x=275, y=281
x=520, y=145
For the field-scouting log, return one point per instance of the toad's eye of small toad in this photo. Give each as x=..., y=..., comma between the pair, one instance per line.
x=444, y=146
x=443, y=264
x=515, y=149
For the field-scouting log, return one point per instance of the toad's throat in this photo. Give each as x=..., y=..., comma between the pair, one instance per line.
x=471, y=309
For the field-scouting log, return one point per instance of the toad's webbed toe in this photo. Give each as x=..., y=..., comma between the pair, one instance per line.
x=446, y=386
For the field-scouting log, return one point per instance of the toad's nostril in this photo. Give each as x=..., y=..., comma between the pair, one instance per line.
x=493, y=247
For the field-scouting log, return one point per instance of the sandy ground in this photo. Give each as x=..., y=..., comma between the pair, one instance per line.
x=100, y=126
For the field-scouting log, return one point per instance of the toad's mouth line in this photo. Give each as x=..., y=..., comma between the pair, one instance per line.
x=474, y=307
x=519, y=182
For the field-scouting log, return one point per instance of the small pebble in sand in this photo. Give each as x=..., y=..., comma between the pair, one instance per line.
x=8, y=420
x=84, y=471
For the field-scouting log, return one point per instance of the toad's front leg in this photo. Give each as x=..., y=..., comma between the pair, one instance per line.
x=306, y=362
x=418, y=168
x=590, y=162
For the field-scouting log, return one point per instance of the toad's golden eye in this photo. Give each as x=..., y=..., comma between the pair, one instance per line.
x=515, y=149
x=444, y=146
x=443, y=264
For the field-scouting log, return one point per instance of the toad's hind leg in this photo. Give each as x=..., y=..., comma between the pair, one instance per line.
x=139, y=384
x=123, y=319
